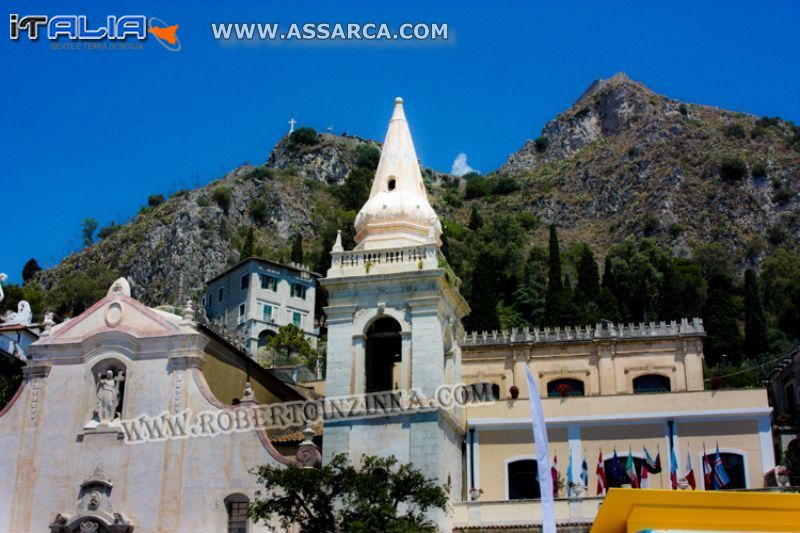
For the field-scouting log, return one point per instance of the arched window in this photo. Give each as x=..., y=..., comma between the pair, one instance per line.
x=523, y=480
x=236, y=507
x=734, y=468
x=651, y=383
x=383, y=355
x=616, y=476
x=565, y=387
x=264, y=336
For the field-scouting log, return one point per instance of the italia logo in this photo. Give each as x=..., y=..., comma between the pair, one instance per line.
x=78, y=28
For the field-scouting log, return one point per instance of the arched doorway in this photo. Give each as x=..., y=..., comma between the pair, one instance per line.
x=264, y=336
x=383, y=355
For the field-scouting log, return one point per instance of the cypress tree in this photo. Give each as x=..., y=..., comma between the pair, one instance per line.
x=297, y=249
x=721, y=322
x=755, y=324
x=485, y=294
x=248, y=245
x=29, y=270
x=607, y=299
x=475, y=219
x=554, y=283
x=588, y=276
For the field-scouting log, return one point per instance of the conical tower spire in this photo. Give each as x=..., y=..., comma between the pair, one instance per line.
x=398, y=212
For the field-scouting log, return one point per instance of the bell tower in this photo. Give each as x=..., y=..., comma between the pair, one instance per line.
x=394, y=318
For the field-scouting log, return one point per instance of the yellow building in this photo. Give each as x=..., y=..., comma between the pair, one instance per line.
x=605, y=388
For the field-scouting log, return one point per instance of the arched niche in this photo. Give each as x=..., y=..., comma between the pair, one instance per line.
x=383, y=355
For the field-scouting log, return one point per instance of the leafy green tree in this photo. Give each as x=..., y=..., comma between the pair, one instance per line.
x=682, y=291
x=10, y=379
x=339, y=497
x=755, y=323
x=781, y=279
x=77, y=291
x=637, y=271
x=291, y=344
x=354, y=192
x=29, y=270
x=88, y=228
x=721, y=322
x=303, y=137
x=368, y=156
x=475, y=219
x=297, y=248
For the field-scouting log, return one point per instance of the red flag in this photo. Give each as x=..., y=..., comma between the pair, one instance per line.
x=707, y=471
x=601, y=475
x=554, y=473
x=689, y=475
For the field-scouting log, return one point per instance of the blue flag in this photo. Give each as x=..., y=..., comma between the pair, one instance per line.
x=720, y=476
x=615, y=475
x=569, y=475
x=585, y=474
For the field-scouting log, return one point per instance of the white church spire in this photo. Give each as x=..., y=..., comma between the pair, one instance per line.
x=398, y=212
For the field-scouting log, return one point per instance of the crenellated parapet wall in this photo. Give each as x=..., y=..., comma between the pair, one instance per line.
x=600, y=331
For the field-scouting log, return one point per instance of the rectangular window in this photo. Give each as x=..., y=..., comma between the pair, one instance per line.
x=245, y=282
x=269, y=283
x=297, y=319
x=267, y=313
x=241, y=312
x=299, y=291
x=220, y=294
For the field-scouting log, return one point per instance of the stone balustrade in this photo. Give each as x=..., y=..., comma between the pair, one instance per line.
x=374, y=261
x=602, y=330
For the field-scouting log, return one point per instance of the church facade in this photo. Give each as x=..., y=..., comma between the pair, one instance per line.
x=66, y=466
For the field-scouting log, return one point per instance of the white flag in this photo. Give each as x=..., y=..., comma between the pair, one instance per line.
x=542, y=455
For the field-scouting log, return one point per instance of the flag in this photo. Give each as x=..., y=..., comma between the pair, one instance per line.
x=644, y=479
x=554, y=475
x=707, y=472
x=630, y=469
x=585, y=473
x=720, y=476
x=569, y=475
x=601, y=475
x=616, y=471
x=653, y=466
x=673, y=468
x=542, y=454
x=689, y=474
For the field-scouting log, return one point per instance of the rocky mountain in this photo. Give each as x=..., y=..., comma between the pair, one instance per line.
x=624, y=160
x=621, y=161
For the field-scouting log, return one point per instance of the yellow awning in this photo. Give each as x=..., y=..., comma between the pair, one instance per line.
x=637, y=510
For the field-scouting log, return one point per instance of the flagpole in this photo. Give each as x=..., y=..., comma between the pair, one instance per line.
x=661, y=471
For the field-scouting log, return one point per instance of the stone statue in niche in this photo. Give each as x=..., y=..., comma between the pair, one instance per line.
x=108, y=393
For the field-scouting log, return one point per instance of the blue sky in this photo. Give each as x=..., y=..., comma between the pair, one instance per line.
x=94, y=132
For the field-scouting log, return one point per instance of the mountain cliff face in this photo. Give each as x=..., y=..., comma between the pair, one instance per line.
x=624, y=160
x=621, y=161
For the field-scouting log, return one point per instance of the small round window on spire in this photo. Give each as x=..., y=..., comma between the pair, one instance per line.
x=392, y=184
